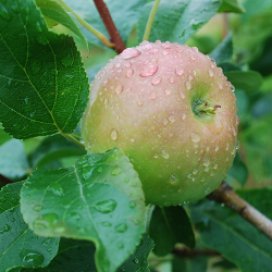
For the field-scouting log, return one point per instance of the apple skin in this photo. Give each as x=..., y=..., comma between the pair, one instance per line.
x=172, y=112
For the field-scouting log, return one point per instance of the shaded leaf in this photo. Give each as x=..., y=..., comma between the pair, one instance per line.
x=249, y=249
x=169, y=226
x=43, y=86
x=223, y=52
x=19, y=246
x=245, y=80
x=99, y=199
x=13, y=160
x=231, y=6
x=57, y=14
x=177, y=20
x=138, y=260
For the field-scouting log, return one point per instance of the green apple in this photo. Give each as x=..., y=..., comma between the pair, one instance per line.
x=172, y=112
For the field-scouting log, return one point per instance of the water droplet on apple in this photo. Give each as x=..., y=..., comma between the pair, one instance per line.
x=130, y=53
x=172, y=119
x=152, y=96
x=156, y=80
x=119, y=89
x=195, y=138
x=114, y=134
x=165, y=155
x=172, y=79
x=166, y=45
x=179, y=71
x=149, y=70
x=129, y=73
x=216, y=149
x=211, y=73
x=183, y=117
x=188, y=85
x=167, y=91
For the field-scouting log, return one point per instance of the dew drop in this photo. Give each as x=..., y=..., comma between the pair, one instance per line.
x=173, y=180
x=67, y=60
x=172, y=119
x=37, y=208
x=116, y=171
x=106, y=206
x=121, y=228
x=136, y=260
x=149, y=70
x=156, y=80
x=215, y=166
x=165, y=155
x=211, y=73
x=132, y=204
x=195, y=138
x=182, y=95
x=152, y=96
x=5, y=228
x=166, y=45
x=129, y=73
x=38, y=27
x=172, y=80
x=114, y=134
x=183, y=117
x=188, y=85
x=118, y=65
x=120, y=245
x=165, y=52
x=106, y=224
x=167, y=91
x=130, y=53
x=179, y=71
x=31, y=258
x=119, y=89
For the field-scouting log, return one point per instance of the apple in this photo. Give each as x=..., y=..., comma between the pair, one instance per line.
x=172, y=112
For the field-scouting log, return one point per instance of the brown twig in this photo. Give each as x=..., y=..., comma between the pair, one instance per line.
x=4, y=181
x=110, y=26
x=192, y=253
x=226, y=195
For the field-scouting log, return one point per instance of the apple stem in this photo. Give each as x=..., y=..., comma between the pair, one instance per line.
x=226, y=195
x=201, y=107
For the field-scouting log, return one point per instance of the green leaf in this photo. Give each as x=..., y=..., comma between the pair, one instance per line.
x=177, y=20
x=261, y=199
x=19, y=247
x=169, y=226
x=13, y=160
x=231, y=6
x=99, y=199
x=196, y=264
x=130, y=9
x=43, y=86
x=72, y=256
x=57, y=14
x=223, y=52
x=53, y=149
x=227, y=232
x=138, y=260
x=245, y=80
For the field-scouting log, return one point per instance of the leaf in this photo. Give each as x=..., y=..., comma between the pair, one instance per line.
x=196, y=264
x=53, y=149
x=99, y=199
x=44, y=88
x=72, y=256
x=177, y=20
x=118, y=9
x=138, y=260
x=56, y=13
x=19, y=247
x=261, y=199
x=245, y=80
x=227, y=232
x=231, y=6
x=169, y=226
x=13, y=160
x=223, y=52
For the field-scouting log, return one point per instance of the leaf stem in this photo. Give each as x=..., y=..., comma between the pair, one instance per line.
x=110, y=26
x=73, y=139
x=226, y=195
x=151, y=19
x=89, y=27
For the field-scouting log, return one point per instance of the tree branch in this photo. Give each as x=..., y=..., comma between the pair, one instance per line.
x=226, y=195
x=191, y=253
x=110, y=26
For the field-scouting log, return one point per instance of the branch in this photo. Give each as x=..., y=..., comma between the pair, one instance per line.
x=110, y=26
x=191, y=253
x=226, y=195
x=151, y=19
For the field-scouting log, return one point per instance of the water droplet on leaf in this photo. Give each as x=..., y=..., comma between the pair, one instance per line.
x=106, y=206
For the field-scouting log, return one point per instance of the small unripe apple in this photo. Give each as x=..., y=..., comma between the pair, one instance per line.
x=173, y=113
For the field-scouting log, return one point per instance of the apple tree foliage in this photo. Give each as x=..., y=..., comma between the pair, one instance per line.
x=63, y=209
